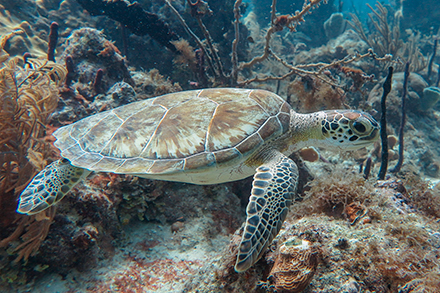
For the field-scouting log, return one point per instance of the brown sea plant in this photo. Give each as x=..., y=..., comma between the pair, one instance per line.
x=386, y=39
x=28, y=95
x=277, y=24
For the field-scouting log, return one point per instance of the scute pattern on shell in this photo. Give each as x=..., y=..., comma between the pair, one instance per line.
x=294, y=266
x=175, y=132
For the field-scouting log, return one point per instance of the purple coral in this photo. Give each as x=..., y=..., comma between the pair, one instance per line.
x=70, y=70
x=97, y=83
x=53, y=38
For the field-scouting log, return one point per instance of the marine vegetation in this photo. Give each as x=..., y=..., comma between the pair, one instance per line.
x=28, y=95
x=346, y=230
x=386, y=38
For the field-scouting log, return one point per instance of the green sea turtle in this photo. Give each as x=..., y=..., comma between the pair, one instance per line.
x=204, y=137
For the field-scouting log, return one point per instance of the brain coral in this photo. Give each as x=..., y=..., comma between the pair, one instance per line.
x=294, y=266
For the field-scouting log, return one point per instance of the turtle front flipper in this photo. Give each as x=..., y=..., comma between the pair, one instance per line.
x=49, y=186
x=273, y=190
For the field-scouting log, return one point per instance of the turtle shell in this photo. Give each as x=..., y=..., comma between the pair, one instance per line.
x=176, y=132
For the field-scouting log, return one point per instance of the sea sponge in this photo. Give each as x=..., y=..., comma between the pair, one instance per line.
x=294, y=266
x=335, y=25
x=431, y=95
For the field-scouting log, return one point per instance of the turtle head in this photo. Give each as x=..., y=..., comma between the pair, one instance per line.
x=349, y=129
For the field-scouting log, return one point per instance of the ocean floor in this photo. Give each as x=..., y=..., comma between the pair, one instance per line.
x=152, y=259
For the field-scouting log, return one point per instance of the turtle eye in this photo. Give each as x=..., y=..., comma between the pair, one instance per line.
x=359, y=127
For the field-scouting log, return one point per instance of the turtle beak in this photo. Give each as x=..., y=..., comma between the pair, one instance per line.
x=374, y=135
x=366, y=140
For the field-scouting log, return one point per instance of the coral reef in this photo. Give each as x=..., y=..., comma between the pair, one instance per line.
x=89, y=49
x=390, y=250
x=387, y=39
x=105, y=81
x=313, y=23
x=423, y=154
x=133, y=17
x=122, y=233
x=28, y=97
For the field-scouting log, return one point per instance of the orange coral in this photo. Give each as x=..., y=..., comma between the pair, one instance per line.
x=27, y=98
x=109, y=49
x=37, y=228
x=292, y=21
x=348, y=70
x=281, y=21
x=358, y=76
x=357, y=212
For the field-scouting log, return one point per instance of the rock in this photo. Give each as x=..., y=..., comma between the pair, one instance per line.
x=123, y=92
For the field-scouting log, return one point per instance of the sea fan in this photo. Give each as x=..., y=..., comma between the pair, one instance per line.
x=28, y=96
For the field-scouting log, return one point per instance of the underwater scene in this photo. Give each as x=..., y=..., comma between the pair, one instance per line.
x=219, y=146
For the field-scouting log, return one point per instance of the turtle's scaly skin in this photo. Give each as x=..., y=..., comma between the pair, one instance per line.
x=50, y=186
x=203, y=137
x=266, y=213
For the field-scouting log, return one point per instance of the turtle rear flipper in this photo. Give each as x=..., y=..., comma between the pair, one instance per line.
x=49, y=186
x=273, y=190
